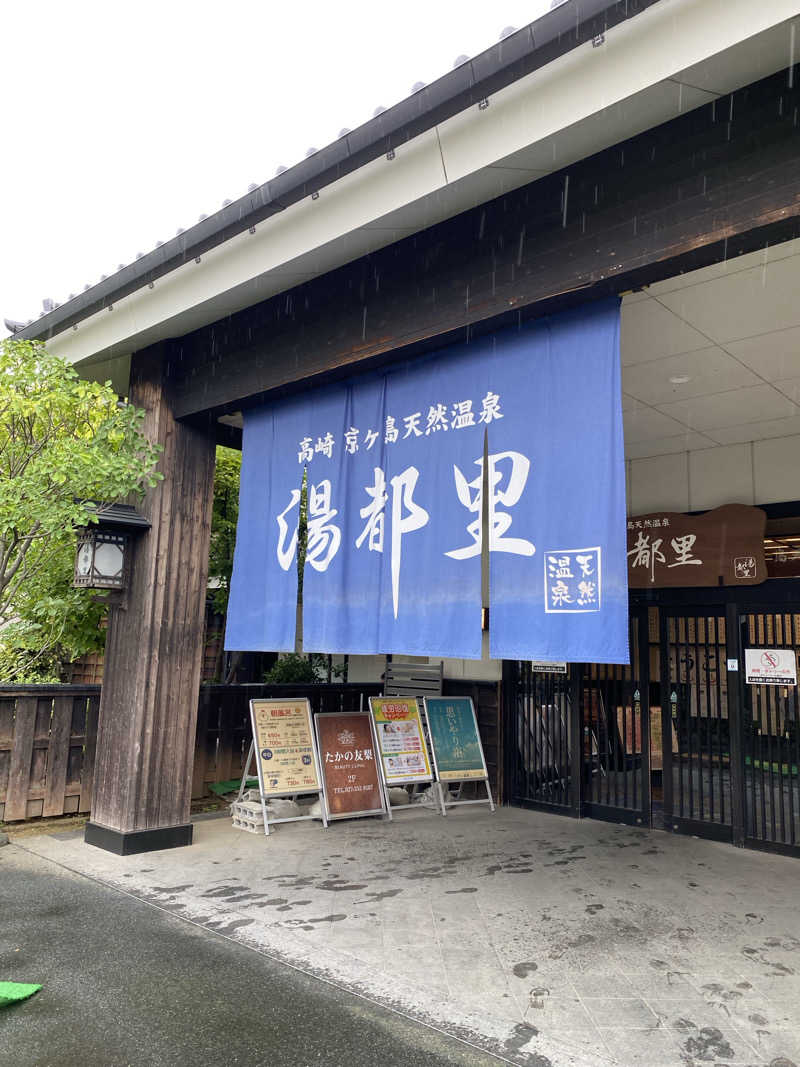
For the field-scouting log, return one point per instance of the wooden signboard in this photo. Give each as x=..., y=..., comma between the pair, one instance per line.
x=723, y=547
x=456, y=745
x=347, y=752
x=285, y=755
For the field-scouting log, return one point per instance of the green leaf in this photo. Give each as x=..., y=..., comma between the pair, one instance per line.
x=63, y=441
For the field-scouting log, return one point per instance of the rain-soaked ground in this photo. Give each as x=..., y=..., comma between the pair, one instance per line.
x=543, y=940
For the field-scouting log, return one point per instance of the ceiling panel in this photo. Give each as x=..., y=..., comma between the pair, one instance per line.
x=649, y=331
x=790, y=387
x=710, y=370
x=665, y=446
x=679, y=282
x=647, y=424
x=635, y=297
x=737, y=407
x=756, y=431
x=743, y=304
x=727, y=268
x=772, y=355
x=750, y=305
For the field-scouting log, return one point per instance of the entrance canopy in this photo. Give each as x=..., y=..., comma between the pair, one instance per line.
x=518, y=433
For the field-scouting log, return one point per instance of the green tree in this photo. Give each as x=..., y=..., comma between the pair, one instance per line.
x=224, y=514
x=65, y=444
x=296, y=668
x=311, y=667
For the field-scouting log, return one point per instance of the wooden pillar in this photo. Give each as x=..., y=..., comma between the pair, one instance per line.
x=154, y=649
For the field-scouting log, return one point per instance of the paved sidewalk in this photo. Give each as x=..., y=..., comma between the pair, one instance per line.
x=126, y=984
x=551, y=942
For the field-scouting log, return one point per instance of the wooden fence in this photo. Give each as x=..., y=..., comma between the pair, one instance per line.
x=47, y=744
x=223, y=722
x=48, y=736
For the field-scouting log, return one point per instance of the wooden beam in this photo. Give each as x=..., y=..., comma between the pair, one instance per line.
x=685, y=194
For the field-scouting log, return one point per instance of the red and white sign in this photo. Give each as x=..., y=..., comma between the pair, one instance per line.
x=770, y=666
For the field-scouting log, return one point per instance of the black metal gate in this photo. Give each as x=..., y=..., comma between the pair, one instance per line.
x=541, y=716
x=695, y=723
x=578, y=743
x=679, y=740
x=771, y=739
x=615, y=731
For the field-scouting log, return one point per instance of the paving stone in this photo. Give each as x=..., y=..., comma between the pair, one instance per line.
x=612, y=960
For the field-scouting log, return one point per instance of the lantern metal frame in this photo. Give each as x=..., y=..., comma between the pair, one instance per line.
x=116, y=525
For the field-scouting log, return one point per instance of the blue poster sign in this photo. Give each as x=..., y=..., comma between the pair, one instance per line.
x=396, y=467
x=455, y=739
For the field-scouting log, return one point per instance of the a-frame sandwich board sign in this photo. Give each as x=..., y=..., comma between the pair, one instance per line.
x=285, y=753
x=456, y=746
x=402, y=747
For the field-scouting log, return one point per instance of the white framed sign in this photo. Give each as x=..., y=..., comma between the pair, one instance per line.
x=541, y=666
x=456, y=747
x=285, y=753
x=401, y=740
x=402, y=747
x=770, y=666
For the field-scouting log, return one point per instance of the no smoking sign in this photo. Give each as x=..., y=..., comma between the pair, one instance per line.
x=770, y=666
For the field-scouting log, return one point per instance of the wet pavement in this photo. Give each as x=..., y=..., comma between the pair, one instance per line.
x=546, y=941
x=128, y=984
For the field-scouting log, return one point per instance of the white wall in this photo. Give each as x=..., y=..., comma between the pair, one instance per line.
x=371, y=668
x=365, y=668
x=757, y=472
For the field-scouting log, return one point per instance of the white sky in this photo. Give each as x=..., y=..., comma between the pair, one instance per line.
x=123, y=121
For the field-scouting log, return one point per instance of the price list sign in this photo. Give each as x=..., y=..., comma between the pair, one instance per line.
x=284, y=744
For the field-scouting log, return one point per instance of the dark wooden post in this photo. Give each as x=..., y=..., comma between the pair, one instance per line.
x=148, y=708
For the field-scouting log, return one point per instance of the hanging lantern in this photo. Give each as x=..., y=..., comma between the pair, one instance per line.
x=102, y=560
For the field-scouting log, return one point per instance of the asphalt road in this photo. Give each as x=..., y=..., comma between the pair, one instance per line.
x=126, y=984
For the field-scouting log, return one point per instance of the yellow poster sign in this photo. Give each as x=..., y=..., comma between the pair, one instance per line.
x=284, y=742
x=404, y=754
